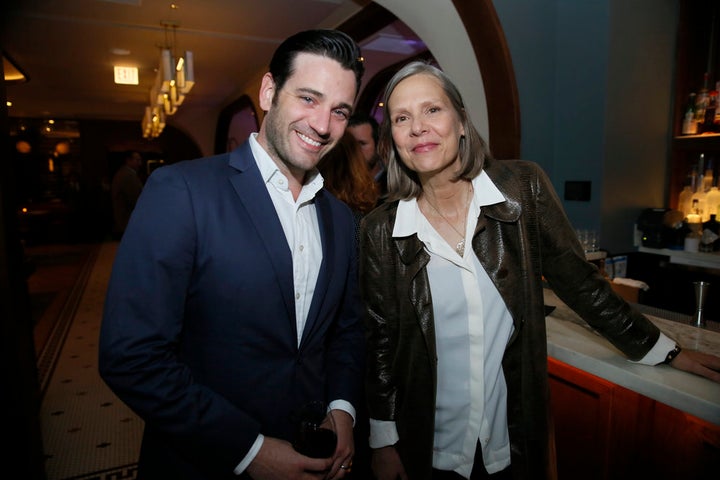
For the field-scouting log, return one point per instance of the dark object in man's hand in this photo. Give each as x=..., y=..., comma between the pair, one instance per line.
x=314, y=441
x=314, y=431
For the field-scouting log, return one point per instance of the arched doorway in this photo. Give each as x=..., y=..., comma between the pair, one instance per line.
x=492, y=55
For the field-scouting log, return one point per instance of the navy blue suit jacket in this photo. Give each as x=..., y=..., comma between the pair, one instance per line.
x=199, y=333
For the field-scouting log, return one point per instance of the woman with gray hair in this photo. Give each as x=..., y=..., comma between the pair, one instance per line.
x=451, y=274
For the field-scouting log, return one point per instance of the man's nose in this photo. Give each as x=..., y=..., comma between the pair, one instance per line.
x=321, y=122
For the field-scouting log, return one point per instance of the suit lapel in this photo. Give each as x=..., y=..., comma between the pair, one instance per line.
x=325, y=223
x=253, y=195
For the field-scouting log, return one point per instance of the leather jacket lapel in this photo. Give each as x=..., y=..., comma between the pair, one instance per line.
x=415, y=258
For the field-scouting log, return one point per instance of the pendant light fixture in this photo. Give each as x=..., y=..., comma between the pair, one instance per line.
x=174, y=80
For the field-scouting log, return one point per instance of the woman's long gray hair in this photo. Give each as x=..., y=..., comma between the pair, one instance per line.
x=403, y=183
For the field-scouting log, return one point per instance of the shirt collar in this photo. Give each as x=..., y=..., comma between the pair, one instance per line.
x=270, y=172
x=407, y=220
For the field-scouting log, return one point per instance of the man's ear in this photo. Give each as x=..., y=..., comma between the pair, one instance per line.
x=267, y=91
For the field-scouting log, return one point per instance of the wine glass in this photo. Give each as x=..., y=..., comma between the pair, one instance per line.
x=314, y=431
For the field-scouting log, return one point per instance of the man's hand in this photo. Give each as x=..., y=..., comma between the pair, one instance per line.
x=277, y=460
x=345, y=449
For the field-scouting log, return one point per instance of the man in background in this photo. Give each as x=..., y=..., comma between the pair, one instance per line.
x=365, y=130
x=125, y=190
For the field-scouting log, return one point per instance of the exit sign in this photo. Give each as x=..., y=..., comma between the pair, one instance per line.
x=126, y=75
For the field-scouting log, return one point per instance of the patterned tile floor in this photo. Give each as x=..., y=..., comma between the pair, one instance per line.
x=87, y=432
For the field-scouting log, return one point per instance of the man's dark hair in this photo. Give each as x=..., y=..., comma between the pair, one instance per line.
x=333, y=44
x=129, y=154
x=361, y=118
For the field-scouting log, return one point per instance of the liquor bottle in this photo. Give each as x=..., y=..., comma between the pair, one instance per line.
x=692, y=179
x=712, y=201
x=701, y=103
x=700, y=180
x=685, y=200
x=694, y=224
x=699, y=206
x=708, y=180
x=710, y=240
x=691, y=242
x=716, y=122
x=689, y=126
x=709, y=122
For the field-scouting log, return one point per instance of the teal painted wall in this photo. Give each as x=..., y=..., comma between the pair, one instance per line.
x=595, y=84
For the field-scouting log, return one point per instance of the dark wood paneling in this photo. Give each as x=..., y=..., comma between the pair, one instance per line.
x=607, y=432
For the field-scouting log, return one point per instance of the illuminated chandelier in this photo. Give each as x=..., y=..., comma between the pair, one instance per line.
x=174, y=80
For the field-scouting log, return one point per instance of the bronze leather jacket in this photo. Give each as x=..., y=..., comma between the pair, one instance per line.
x=518, y=242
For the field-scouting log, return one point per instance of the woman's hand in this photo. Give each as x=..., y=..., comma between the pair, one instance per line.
x=699, y=363
x=386, y=464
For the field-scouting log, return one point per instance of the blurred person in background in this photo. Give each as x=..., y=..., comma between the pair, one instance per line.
x=346, y=176
x=125, y=190
x=365, y=130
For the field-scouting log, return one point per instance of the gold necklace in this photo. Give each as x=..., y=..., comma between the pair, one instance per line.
x=460, y=247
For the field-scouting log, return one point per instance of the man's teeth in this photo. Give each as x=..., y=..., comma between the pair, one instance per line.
x=309, y=140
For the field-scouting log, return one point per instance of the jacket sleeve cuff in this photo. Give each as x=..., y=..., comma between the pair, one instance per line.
x=659, y=351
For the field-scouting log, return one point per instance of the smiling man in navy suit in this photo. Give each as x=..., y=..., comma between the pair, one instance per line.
x=233, y=298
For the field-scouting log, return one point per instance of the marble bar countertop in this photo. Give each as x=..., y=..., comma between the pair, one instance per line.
x=697, y=259
x=572, y=341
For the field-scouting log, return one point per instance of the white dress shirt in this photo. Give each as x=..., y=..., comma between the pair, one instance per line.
x=302, y=231
x=300, y=224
